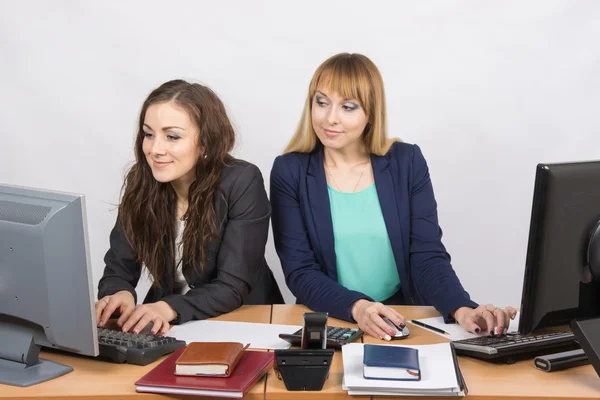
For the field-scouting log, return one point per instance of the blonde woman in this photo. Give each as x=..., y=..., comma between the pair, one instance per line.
x=354, y=215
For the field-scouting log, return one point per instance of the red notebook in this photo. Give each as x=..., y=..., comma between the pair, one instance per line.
x=162, y=379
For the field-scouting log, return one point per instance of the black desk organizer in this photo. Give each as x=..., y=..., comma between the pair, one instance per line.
x=303, y=369
x=306, y=368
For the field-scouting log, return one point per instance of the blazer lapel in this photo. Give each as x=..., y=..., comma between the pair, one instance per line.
x=389, y=207
x=318, y=197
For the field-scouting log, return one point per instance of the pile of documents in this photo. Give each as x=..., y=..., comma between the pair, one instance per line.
x=437, y=372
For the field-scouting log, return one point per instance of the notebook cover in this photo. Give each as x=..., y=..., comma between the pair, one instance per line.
x=404, y=358
x=252, y=366
x=210, y=353
x=391, y=356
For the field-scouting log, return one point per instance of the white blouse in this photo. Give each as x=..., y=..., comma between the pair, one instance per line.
x=181, y=284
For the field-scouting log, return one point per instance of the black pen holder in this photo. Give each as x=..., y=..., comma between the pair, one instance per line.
x=304, y=369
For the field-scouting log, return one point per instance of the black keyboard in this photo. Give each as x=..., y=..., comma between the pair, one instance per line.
x=514, y=346
x=132, y=348
x=336, y=337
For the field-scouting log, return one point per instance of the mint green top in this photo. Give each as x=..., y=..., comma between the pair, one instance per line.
x=365, y=261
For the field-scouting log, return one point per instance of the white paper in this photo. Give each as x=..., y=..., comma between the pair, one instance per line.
x=456, y=331
x=390, y=373
x=438, y=374
x=191, y=392
x=404, y=393
x=260, y=336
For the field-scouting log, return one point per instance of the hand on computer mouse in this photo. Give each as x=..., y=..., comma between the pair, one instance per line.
x=485, y=318
x=402, y=332
x=369, y=315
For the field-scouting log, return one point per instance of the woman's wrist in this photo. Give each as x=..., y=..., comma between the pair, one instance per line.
x=168, y=312
x=459, y=313
x=356, y=308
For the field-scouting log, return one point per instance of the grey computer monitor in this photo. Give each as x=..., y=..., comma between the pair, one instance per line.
x=46, y=295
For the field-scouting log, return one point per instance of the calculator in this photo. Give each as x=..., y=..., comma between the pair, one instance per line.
x=336, y=336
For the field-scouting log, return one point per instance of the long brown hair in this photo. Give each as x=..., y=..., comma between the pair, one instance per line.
x=146, y=211
x=352, y=76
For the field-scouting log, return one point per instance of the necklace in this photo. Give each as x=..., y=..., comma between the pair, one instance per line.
x=357, y=182
x=183, y=210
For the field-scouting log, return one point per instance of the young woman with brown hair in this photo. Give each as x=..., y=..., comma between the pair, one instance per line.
x=195, y=217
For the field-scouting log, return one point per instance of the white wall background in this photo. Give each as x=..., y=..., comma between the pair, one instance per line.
x=487, y=89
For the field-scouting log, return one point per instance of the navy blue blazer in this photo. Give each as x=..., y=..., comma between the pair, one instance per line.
x=303, y=232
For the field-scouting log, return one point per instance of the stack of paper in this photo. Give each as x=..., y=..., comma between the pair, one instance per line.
x=440, y=375
x=258, y=336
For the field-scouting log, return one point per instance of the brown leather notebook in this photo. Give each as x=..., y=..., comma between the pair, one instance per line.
x=209, y=358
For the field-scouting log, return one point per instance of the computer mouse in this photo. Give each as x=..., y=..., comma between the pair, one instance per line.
x=400, y=333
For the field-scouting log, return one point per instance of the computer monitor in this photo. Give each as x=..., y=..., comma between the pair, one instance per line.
x=558, y=286
x=46, y=296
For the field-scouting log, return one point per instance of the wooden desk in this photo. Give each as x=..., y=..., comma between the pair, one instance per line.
x=494, y=382
x=95, y=379
x=292, y=315
x=484, y=380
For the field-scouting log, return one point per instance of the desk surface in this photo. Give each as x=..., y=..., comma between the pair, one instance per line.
x=94, y=379
x=484, y=380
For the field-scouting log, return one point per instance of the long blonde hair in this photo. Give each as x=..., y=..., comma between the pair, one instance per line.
x=352, y=76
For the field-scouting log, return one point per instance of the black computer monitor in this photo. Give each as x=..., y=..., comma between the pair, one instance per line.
x=46, y=295
x=558, y=285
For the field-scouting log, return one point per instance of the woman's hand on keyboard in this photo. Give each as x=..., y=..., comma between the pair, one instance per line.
x=369, y=315
x=485, y=318
x=159, y=314
x=122, y=301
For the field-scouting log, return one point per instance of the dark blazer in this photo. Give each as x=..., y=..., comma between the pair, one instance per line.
x=303, y=232
x=235, y=272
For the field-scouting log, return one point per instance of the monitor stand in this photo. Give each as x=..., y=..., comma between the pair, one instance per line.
x=587, y=332
x=20, y=364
